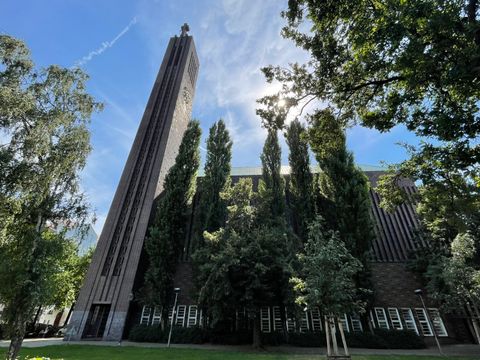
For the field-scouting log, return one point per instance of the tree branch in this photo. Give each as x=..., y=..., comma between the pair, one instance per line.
x=377, y=82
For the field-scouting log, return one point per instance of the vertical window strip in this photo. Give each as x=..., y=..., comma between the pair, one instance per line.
x=277, y=319
x=290, y=321
x=381, y=318
x=304, y=326
x=423, y=321
x=409, y=320
x=356, y=323
x=395, y=318
x=192, y=316
x=170, y=313
x=316, y=319
x=265, y=319
x=145, y=318
x=372, y=321
x=181, y=312
x=437, y=322
x=344, y=322
x=157, y=315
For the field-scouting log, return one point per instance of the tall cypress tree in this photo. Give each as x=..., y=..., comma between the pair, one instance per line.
x=301, y=178
x=167, y=233
x=211, y=207
x=271, y=187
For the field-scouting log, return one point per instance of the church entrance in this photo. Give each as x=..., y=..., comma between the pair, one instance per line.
x=96, y=321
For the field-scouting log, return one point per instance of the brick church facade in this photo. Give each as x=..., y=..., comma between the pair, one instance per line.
x=106, y=308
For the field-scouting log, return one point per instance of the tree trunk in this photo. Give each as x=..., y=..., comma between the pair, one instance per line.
x=342, y=334
x=331, y=322
x=37, y=315
x=67, y=319
x=16, y=338
x=257, y=339
x=283, y=317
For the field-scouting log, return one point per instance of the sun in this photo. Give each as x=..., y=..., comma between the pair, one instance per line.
x=281, y=103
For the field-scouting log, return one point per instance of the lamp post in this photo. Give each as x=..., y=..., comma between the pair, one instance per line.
x=176, y=290
x=419, y=292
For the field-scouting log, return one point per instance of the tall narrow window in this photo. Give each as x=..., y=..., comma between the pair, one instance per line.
x=145, y=318
x=304, y=326
x=356, y=323
x=277, y=319
x=372, y=321
x=423, y=321
x=316, y=319
x=192, y=316
x=409, y=320
x=437, y=322
x=344, y=322
x=265, y=319
x=157, y=315
x=395, y=318
x=290, y=321
x=181, y=312
x=381, y=318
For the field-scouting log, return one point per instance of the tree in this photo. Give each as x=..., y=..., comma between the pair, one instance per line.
x=271, y=187
x=244, y=263
x=211, y=212
x=166, y=235
x=44, y=117
x=326, y=280
x=301, y=179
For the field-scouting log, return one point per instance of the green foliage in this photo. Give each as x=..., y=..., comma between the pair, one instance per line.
x=301, y=179
x=211, y=212
x=155, y=334
x=167, y=234
x=271, y=188
x=44, y=118
x=327, y=273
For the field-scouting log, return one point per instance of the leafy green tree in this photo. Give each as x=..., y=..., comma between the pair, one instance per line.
x=211, y=212
x=245, y=263
x=326, y=280
x=271, y=187
x=301, y=187
x=167, y=233
x=44, y=117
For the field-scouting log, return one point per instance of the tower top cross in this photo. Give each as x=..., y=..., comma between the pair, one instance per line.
x=185, y=29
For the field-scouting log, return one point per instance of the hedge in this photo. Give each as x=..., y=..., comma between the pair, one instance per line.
x=380, y=339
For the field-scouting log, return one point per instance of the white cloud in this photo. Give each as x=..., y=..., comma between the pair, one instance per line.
x=105, y=45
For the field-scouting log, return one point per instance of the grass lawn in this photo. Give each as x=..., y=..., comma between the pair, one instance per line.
x=92, y=352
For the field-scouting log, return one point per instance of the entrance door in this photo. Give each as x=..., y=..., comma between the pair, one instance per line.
x=97, y=319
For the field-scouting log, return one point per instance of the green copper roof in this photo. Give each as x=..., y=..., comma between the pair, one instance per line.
x=285, y=170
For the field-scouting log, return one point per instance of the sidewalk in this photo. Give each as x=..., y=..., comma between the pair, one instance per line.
x=452, y=350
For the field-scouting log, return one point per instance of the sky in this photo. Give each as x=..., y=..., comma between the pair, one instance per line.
x=120, y=44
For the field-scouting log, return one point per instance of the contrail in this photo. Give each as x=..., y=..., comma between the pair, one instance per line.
x=105, y=45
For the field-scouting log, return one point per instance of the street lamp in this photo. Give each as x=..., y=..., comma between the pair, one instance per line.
x=419, y=292
x=176, y=291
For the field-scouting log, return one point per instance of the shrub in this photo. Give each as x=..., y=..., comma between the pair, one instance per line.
x=366, y=340
x=180, y=335
x=231, y=338
x=1, y=332
x=307, y=339
x=401, y=339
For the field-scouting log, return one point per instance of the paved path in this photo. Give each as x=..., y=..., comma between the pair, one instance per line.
x=452, y=350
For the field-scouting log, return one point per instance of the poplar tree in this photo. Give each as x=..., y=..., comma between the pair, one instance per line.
x=167, y=233
x=44, y=144
x=301, y=179
x=271, y=188
x=211, y=208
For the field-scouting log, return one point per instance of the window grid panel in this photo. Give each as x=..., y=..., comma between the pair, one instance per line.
x=304, y=326
x=382, y=318
x=170, y=313
x=145, y=318
x=437, y=322
x=356, y=323
x=344, y=322
x=316, y=319
x=423, y=321
x=409, y=320
x=290, y=321
x=265, y=319
x=395, y=318
x=277, y=319
x=192, y=316
x=157, y=315
x=180, y=318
